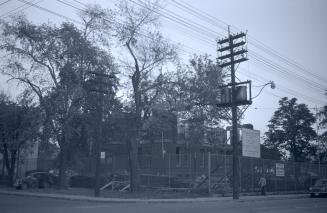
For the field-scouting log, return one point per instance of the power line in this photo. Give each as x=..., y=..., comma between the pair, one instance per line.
x=210, y=34
x=266, y=62
x=274, y=67
x=186, y=6
x=31, y=4
x=184, y=48
x=19, y=9
x=52, y=12
x=5, y=2
x=282, y=88
x=288, y=91
x=284, y=71
x=60, y=15
x=258, y=44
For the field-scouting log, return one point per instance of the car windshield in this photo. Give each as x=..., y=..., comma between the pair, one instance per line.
x=321, y=183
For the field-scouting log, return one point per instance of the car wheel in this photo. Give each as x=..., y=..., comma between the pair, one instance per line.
x=24, y=186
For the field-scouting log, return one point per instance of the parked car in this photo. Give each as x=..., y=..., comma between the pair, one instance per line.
x=36, y=179
x=319, y=188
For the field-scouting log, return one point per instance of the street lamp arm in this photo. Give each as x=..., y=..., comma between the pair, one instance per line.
x=272, y=85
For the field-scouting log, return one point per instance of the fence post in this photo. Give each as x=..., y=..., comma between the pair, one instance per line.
x=310, y=173
x=224, y=166
x=252, y=174
x=209, y=172
x=169, y=169
x=240, y=173
x=190, y=167
x=320, y=176
x=295, y=178
x=195, y=165
x=286, y=165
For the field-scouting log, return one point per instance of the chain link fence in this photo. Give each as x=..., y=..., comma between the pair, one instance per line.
x=193, y=171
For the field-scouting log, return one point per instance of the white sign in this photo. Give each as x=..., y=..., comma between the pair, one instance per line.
x=250, y=143
x=103, y=155
x=280, y=171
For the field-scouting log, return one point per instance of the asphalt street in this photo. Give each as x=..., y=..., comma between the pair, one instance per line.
x=19, y=204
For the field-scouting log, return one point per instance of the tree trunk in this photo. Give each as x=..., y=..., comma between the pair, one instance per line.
x=133, y=165
x=136, y=130
x=62, y=170
x=12, y=169
x=62, y=162
x=10, y=164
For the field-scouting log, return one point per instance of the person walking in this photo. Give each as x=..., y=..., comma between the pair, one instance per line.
x=262, y=184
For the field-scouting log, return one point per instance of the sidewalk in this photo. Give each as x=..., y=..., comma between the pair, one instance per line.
x=137, y=200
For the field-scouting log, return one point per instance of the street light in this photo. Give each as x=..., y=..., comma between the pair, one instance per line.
x=272, y=86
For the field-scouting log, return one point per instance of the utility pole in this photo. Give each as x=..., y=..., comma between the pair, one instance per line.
x=98, y=83
x=236, y=53
x=98, y=144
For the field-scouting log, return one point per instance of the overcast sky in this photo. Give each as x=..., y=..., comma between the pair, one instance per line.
x=287, y=35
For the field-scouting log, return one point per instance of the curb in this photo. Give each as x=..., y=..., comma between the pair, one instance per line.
x=136, y=200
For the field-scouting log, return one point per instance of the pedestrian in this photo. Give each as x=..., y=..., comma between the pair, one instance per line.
x=262, y=184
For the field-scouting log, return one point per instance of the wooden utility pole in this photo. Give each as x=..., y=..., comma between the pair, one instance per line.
x=236, y=182
x=98, y=144
x=235, y=54
x=100, y=84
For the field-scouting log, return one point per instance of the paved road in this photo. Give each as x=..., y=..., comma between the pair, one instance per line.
x=18, y=204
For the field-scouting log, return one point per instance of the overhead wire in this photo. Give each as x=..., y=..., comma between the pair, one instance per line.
x=278, y=96
x=50, y=11
x=54, y=13
x=258, y=44
x=282, y=88
x=271, y=65
x=31, y=4
x=5, y=2
x=18, y=9
x=308, y=81
x=207, y=34
x=283, y=71
x=182, y=47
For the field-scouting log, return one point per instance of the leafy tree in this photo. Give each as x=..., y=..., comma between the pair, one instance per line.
x=19, y=130
x=192, y=94
x=290, y=129
x=148, y=51
x=322, y=138
x=54, y=62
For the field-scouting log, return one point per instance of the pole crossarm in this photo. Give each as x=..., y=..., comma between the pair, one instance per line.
x=223, y=49
x=240, y=52
x=235, y=62
x=231, y=37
